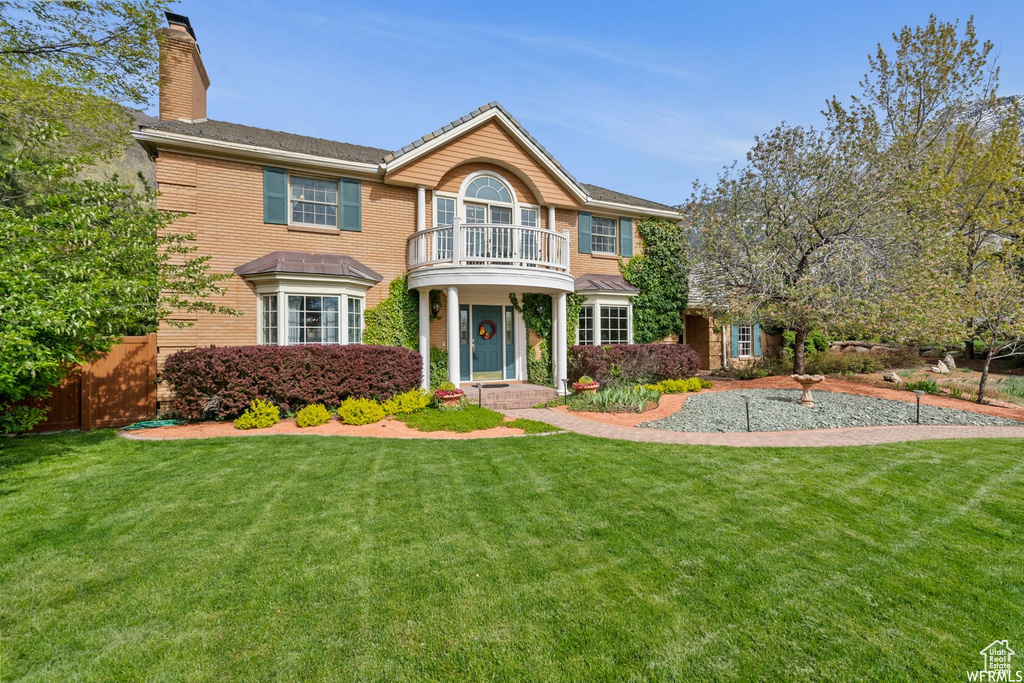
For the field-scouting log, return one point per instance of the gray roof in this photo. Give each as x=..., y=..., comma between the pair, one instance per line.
x=309, y=264
x=272, y=139
x=590, y=282
x=303, y=144
x=602, y=194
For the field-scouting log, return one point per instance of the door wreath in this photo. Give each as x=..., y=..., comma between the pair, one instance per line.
x=487, y=329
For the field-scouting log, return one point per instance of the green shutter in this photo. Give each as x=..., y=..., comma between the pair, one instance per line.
x=756, y=333
x=350, y=195
x=626, y=237
x=583, y=245
x=275, y=196
x=734, y=341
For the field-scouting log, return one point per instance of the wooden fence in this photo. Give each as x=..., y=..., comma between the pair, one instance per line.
x=116, y=390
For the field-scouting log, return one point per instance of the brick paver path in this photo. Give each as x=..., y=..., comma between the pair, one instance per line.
x=849, y=436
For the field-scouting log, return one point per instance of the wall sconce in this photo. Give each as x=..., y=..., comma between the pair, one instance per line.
x=539, y=310
x=435, y=304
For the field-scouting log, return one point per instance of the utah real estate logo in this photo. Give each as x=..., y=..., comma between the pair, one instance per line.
x=997, y=664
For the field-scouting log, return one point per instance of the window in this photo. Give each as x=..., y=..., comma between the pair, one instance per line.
x=585, y=330
x=603, y=235
x=443, y=238
x=355, y=321
x=268, y=334
x=314, y=202
x=614, y=324
x=745, y=334
x=488, y=189
x=528, y=217
x=313, y=320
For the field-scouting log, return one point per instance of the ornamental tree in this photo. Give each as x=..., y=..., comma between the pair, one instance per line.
x=787, y=239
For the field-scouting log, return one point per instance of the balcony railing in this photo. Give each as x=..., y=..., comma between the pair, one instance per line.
x=489, y=244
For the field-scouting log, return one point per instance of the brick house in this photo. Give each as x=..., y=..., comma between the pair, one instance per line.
x=315, y=230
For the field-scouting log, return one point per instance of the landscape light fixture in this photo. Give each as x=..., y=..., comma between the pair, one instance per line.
x=435, y=308
x=919, y=393
x=746, y=400
x=565, y=390
x=479, y=394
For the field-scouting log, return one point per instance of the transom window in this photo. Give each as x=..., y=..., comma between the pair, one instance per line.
x=314, y=202
x=313, y=320
x=746, y=340
x=603, y=235
x=488, y=189
x=585, y=330
x=614, y=324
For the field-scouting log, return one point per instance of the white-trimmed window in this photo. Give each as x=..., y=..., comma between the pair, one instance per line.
x=313, y=202
x=614, y=325
x=268, y=315
x=313, y=319
x=355, y=320
x=585, y=329
x=444, y=215
x=745, y=340
x=604, y=233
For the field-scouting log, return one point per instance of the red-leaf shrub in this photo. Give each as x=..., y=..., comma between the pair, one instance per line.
x=221, y=382
x=633, y=363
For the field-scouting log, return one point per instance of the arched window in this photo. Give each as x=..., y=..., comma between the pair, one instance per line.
x=488, y=200
x=489, y=189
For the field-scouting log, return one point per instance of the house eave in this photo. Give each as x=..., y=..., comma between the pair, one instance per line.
x=154, y=140
x=634, y=210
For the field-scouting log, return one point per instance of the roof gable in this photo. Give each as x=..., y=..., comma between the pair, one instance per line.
x=486, y=134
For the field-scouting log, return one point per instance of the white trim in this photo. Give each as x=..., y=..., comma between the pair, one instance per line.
x=337, y=201
x=616, y=238
x=602, y=298
x=261, y=154
x=458, y=131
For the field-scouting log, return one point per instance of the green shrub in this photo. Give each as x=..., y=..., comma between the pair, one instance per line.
x=409, y=402
x=900, y=358
x=616, y=400
x=674, y=386
x=446, y=386
x=816, y=341
x=765, y=367
x=834, y=363
x=928, y=386
x=313, y=415
x=470, y=419
x=705, y=383
x=438, y=367
x=360, y=411
x=261, y=414
x=586, y=379
x=694, y=384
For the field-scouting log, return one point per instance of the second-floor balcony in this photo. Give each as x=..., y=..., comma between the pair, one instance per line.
x=490, y=249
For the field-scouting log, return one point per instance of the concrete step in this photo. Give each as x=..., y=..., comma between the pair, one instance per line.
x=512, y=398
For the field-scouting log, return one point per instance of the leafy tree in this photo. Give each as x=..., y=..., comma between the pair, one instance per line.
x=997, y=291
x=786, y=240
x=84, y=262
x=661, y=274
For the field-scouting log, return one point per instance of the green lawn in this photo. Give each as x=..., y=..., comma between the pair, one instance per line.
x=553, y=558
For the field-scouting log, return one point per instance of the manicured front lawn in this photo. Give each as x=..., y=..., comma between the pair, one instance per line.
x=548, y=558
x=469, y=418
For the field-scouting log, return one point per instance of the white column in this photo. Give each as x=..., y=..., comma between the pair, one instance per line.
x=425, y=335
x=456, y=240
x=560, y=351
x=421, y=208
x=454, y=371
x=551, y=218
x=522, y=344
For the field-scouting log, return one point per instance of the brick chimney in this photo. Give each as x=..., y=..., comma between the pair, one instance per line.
x=183, y=79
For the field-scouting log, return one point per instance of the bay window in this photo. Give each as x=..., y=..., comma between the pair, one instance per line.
x=614, y=325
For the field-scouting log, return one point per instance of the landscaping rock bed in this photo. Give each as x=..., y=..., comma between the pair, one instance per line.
x=777, y=410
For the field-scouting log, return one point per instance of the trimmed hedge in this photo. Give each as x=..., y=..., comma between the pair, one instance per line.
x=220, y=383
x=633, y=363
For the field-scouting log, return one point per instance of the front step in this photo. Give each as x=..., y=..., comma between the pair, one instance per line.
x=514, y=397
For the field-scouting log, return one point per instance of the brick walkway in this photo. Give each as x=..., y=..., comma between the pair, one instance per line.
x=849, y=436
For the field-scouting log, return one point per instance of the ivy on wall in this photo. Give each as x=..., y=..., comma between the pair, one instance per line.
x=536, y=312
x=661, y=273
x=395, y=320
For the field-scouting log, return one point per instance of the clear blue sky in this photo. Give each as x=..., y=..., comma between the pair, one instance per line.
x=640, y=98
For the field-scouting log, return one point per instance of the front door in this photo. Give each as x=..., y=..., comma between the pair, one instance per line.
x=487, y=342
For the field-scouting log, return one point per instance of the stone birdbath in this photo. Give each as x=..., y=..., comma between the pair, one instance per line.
x=807, y=381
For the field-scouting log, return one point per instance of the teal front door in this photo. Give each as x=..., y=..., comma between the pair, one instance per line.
x=487, y=342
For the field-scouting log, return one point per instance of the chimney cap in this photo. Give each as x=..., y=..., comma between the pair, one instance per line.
x=180, y=20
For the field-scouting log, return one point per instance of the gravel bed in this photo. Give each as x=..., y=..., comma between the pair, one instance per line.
x=778, y=410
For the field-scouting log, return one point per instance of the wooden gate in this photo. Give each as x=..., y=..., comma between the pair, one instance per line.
x=116, y=390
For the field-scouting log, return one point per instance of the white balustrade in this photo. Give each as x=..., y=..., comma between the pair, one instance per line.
x=489, y=244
